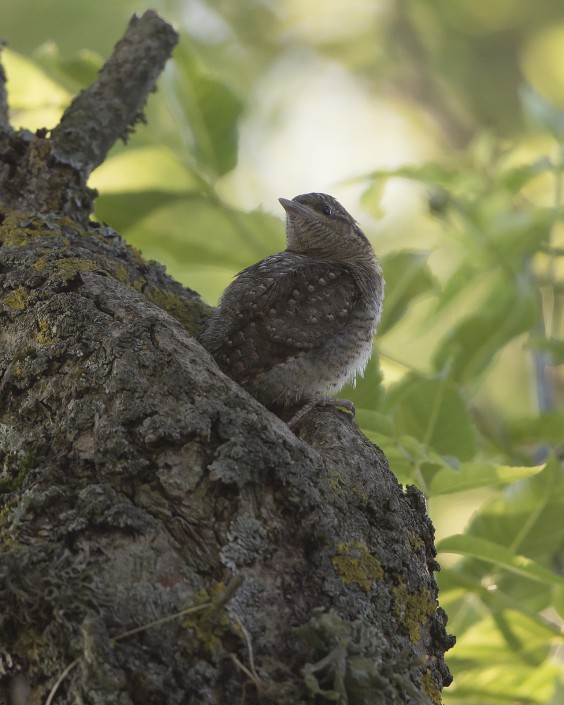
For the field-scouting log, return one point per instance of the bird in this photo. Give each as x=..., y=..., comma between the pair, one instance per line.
x=298, y=325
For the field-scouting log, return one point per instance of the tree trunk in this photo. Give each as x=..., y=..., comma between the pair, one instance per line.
x=137, y=480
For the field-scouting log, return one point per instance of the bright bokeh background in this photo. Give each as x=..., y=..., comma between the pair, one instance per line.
x=440, y=126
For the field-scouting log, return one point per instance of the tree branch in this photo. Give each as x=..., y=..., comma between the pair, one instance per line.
x=108, y=110
x=39, y=178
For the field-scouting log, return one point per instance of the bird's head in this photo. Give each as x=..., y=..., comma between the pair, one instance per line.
x=317, y=225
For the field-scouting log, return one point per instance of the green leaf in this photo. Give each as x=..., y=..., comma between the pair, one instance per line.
x=420, y=453
x=433, y=412
x=205, y=231
x=486, y=643
x=542, y=113
x=73, y=72
x=527, y=515
x=558, y=695
x=430, y=173
x=502, y=664
x=372, y=197
x=407, y=277
x=458, y=283
x=374, y=421
x=409, y=460
x=122, y=211
x=144, y=169
x=135, y=182
x=35, y=99
x=546, y=428
x=558, y=602
x=471, y=476
x=457, y=586
x=518, y=233
x=470, y=346
x=205, y=239
x=210, y=110
x=516, y=177
x=500, y=556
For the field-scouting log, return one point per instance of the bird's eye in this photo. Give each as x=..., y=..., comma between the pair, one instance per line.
x=327, y=210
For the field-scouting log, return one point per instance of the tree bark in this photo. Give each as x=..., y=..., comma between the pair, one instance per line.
x=137, y=480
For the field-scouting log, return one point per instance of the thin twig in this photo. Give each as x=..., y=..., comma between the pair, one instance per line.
x=123, y=635
x=542, y=359
x=217, y=603
x=162, y=620
x=249, y=644
x=237, y=662
x=251, y=672
x=222, y=598
x=60, y=679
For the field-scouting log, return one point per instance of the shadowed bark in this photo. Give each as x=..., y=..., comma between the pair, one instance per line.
x=136, y=480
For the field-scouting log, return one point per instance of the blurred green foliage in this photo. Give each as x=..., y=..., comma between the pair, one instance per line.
x=466, y=393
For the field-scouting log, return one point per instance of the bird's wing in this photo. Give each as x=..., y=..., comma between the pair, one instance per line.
x=282, y=306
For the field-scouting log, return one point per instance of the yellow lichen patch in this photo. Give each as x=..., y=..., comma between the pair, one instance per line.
x=119, y=271
x=413, y=609
x=65, y=268
x=14, y=238
x=191, y=313
x=337, y=481
x=42, y=337
x=17, y=236
x=211, y=626
x=354, y=564
x=6, y=510
x=341, y=484
x=17, y=299
x=136, y=255
x=430, y=688
x=359, y=493
x=18, y=230
x=40, y=264
x=416, y=543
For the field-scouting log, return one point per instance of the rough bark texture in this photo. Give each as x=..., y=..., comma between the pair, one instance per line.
x=137, y=480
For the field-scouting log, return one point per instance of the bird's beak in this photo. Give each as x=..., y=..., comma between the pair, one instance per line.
x=293, y=208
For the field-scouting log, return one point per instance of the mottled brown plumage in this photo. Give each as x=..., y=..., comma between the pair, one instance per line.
x=299, y=324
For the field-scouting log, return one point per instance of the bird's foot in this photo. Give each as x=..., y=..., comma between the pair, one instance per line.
x=321, y=401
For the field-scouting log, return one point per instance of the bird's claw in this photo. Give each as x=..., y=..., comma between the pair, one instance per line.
x=323, y=401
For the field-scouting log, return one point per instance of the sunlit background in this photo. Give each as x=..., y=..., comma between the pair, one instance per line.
x=439, y=125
